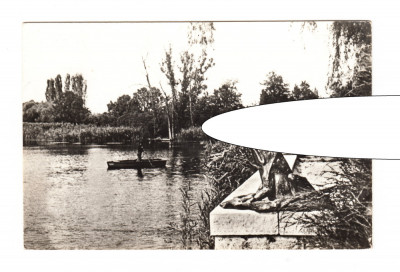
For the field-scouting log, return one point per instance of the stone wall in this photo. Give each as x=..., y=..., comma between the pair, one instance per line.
x=247, y=229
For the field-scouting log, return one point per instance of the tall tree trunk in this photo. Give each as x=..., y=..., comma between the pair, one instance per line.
x=190, y=106
x=170, y=124
x=152, y=98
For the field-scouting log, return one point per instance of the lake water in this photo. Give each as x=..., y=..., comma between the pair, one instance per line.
x=71, y=200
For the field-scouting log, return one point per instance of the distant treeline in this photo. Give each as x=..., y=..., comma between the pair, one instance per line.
x=145, y=111
x=154, y=113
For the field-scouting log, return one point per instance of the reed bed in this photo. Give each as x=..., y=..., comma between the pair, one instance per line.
x=85, y=134
x=191, y=134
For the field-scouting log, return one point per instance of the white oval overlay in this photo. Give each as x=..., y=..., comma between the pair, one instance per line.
x=353, y=127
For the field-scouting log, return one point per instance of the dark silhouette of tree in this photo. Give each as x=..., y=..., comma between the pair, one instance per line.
x=79, y=86
x=67, y=83
x=275, y=90
x=225, y=98
x=70, y=108
x=62, y=106
x=143, y=110
x=29, y=111
x=304, y=92
x=50, y=91
x=58, y=87
x=120, y=107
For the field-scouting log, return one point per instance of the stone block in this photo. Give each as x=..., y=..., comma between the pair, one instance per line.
x=243, y=222
x=259, y=242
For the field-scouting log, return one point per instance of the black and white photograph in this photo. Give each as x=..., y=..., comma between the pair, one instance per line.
x=114, y=155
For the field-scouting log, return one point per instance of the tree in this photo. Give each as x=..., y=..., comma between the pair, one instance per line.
x=275, y=90
x=67, y=83
x=167, y=67
x=150, y=102
x=58, y=87
x=303, y=92
x=70, y=108
x=50, y=91
x=143, y=110
x=79, y=86
x=193, y=65
x=29, y=111
x=225, y=98
x=350, y=68
x=120, y=107
x=196, y=64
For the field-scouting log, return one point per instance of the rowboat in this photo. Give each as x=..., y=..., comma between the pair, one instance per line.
x=135, y=164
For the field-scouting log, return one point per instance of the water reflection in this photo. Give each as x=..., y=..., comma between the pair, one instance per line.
x=71, y=201
x=139, y=173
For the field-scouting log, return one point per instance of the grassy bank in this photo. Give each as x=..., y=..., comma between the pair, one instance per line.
x=85, y=134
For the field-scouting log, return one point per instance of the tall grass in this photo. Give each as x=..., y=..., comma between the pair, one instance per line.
x=187, y=228
x=226, y=167
x=85, y=134
x=346, y=223
x=191, y=134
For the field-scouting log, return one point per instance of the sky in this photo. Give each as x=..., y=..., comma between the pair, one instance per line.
x=109, y=56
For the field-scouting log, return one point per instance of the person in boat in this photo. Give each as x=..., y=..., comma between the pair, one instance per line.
x=140, y=151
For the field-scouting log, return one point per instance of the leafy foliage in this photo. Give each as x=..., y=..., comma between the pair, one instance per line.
x=29, y=111
x=303, y=92
x=351, y=66
x=143, y=110
x=37, y=112
x=67, y=106
x=225, y=98
x=190, y=82
x=70, y=108
x=275, y=90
